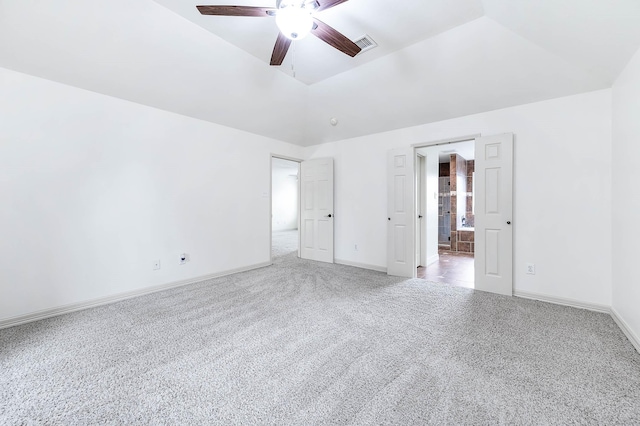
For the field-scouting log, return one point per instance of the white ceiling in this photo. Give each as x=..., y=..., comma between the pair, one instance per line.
x=599, y=36
x=391, y=26
x=465, y=149
x=437, y=59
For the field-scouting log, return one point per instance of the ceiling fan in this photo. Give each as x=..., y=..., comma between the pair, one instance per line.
x=295, y=20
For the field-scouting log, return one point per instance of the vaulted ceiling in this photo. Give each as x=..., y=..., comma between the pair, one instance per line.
x=437, y=59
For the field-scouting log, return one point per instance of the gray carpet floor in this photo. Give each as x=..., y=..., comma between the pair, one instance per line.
x=284, y=242
x=307, y=343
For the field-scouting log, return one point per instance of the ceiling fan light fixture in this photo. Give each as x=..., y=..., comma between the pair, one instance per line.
x=294, y=20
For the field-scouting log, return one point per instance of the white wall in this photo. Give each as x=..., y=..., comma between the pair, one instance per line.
x=562, y=191
x=626, y=195
x=433, y=172
x=284, y=200
x=94, y=189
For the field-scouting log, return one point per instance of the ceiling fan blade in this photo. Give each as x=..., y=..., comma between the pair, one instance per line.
x=236, y=10
x=326, y=4
x=334, y=38
x=280, y=50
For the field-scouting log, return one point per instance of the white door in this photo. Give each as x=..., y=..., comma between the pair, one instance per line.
x=493, y=214
x=316, y=210
x=401, y=213
x=419, y=197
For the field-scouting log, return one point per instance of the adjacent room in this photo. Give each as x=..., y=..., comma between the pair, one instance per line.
x=319, y=212
x=449, y=252
x=285, y=206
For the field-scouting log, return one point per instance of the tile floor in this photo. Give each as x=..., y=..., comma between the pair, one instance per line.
x=452, y=268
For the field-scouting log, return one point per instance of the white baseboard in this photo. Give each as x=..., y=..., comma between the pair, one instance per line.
x=633, y=338
x=361, y=265
x=562, y=301
x=73, y=307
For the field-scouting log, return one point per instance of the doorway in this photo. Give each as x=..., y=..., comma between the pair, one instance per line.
x=285, y=207
x=489, y=237
x=445, y=244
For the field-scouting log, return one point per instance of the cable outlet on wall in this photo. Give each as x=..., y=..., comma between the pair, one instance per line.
x=531, y=269
x=156, y=265
x=184, y=258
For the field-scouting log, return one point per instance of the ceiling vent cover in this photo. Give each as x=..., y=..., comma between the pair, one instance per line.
x=365, y=43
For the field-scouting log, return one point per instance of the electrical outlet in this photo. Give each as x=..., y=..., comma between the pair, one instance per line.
x=531, y=269
x=184, y=258
x=156, y=265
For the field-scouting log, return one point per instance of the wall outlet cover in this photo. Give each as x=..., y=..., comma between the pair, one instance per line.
x=531, y=269
x=156, y=265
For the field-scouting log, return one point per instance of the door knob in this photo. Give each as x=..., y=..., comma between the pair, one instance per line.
x=329, y=215
x=388, y=218
x=419, y=216
x=508, y=222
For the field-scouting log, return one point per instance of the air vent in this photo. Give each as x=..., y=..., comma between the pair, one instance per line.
x=365, y=43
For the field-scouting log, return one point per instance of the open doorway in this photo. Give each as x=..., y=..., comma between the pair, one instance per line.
x=285, y=207
x=445, y=243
